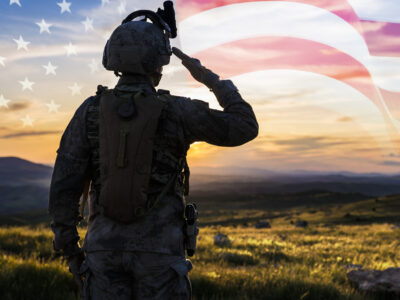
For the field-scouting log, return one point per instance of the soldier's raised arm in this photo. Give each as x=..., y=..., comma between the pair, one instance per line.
x=233, y=126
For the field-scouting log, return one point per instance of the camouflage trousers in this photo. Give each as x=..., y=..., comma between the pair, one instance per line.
x=112, y=275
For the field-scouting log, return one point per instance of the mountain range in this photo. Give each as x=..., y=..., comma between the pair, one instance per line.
x=24, y=185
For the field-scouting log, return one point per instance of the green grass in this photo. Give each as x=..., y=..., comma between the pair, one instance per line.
x=283, y=262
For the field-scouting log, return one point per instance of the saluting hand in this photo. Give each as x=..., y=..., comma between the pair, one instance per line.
x=194, y=66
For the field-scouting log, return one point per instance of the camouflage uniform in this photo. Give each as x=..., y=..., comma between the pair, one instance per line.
x=144, y=259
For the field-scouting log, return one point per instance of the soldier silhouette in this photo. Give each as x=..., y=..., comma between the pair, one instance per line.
x=129, y=145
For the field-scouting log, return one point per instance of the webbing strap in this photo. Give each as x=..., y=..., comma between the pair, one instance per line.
x=124, y=132
x=186, y=174
x=141, y=211
x=123, y=136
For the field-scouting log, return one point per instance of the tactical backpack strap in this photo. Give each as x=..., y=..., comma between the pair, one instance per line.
x=165, y=95
x=151, y=203
x=87, y=184
x=186, y=176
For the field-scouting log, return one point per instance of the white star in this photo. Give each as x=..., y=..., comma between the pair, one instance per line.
x=28, y=121
x=88, y=24
x=26, y=84
x=3, y=101
x=2, y=59
x=50, y=69
x=21, y=43
x=64, y=6
x=52, y=106
x=16, y=2
x=44, y=27
x=122, y=7
x=76, y=89
x=105, y=2
x=71, y=49
x=94, y=66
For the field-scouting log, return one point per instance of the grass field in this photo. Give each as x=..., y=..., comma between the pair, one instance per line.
x=283, y=262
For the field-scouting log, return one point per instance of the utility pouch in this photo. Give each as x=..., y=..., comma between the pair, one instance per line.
x=127, y=126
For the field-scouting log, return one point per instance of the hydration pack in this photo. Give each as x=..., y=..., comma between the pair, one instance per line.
x=127, y=127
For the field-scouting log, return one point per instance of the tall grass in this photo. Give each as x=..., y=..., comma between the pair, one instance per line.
x=282, y=263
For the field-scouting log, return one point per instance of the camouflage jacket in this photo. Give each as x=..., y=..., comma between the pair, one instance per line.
x=182, y=122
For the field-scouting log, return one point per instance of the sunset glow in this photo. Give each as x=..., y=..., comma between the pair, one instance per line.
x=322, y=76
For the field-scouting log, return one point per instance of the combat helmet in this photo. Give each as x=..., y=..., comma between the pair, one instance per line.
x=141, y=47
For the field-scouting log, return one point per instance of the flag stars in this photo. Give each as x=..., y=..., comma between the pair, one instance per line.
x=28, y=121
x=94, y=66
x=15, y=2
x=26, y=84
x=2, y=59
x=88, y=23
x=71, y=49
x=75, y=89
x=53, y=107
x=22, y=44
x=50, y=69
x=65, y=6
x=44, y=27
x=3, y=101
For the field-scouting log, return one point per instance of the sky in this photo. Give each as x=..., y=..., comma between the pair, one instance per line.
x=322, y=76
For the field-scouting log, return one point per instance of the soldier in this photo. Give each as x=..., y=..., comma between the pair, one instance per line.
x=130, y=143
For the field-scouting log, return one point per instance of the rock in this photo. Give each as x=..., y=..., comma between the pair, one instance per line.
x=353, y=266
x=263, y=224
x=282, y=237
x=301, y=223
x=377, y=282
x=222, y=240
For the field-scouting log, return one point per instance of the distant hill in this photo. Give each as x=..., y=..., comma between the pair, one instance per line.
x=24, y=187
x=368, y=184
x=15, y=171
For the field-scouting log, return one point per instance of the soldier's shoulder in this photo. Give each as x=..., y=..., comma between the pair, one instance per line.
x=94, y=99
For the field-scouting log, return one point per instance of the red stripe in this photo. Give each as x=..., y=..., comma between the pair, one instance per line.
x=266, y=53
x=382, y=38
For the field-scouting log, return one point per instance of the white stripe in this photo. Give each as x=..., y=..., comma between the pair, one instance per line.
x=377, y=10
x=273, y=18
x=280, y=18
x=309, y=89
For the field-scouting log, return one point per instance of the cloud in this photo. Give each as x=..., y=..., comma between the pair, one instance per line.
x=345, y=119
x=305, y=143
x=29, y=133
x=391, y=163
x=16, y=106
x=19, y=105
x=393, y=155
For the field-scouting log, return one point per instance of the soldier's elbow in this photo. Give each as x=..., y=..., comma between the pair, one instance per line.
x=253, y=132
x=244, y=135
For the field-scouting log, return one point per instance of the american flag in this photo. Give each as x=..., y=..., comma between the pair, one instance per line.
x=341, y=56
x=356, y=42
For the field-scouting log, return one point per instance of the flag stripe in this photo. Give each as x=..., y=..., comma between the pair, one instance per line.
x=382, y=38
x=373, y=31
x=243, y=21
x=250, y=55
